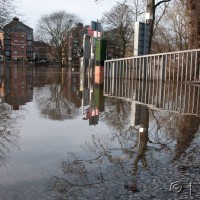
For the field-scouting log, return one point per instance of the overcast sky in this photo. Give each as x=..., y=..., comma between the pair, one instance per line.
x=87, y=10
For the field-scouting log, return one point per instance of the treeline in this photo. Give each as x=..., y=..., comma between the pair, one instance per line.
x=176, y=25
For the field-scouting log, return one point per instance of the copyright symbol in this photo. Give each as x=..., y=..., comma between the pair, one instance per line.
x=176, y=186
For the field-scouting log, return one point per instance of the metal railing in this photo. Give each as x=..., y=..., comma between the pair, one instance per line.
x=180, y=97
x=174, y=66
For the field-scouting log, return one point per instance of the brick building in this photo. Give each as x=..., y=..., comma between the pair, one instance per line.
x=76, y=41
x=42, y=51
x=18, y=40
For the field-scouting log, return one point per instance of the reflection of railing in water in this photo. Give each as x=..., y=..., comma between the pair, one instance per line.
x=174, y=66
x=181, y=97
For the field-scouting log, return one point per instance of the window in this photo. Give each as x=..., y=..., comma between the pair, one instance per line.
x=22, y=35
x=29, y=37
x=22, y=47
x=7, y=41
x=29, y=48
x=7, y=47
x=15, y=52
x=15, y=47
x=7, y=53
x=15, y=41
x=29, y=43
x=22, y=41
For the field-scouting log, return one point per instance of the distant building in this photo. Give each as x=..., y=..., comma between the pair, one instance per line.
x=18, y=40
x=41, y=51
x=76, y=42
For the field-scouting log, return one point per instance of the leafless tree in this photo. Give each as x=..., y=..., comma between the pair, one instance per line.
x=7, y=9
x=113, y=157
x=118, y=25
x=192, y=16
x=9, y=134
x=171, y=33
x=54, y=102
x=54, y=29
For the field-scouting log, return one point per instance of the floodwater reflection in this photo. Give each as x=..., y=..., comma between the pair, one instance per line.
x=9, y=134
x=58, y=100
x=142, y=140
x=145, y=151
x=149, y=160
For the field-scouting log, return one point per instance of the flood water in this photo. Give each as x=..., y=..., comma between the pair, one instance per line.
x=61, y=138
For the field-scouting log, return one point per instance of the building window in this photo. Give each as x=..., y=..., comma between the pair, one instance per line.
x=29, y=37
x=22, y=47
x=15, y=40
x=7, y=47
x=6, y=41
x=15, y=47
x=22, y=41
x=29, y=43
x=29, y=49
x=22, y=35
x=15, y=52
x=7, y=53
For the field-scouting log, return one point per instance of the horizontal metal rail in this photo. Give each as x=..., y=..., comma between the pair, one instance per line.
x=179, y=66
x=180, y=97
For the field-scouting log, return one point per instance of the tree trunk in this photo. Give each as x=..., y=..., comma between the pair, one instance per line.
x=192, y=13
x=150, y=18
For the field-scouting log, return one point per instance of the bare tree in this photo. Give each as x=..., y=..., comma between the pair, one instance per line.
x=193, y=18
x=118, y=24
x=54, y=29
x=172, y=35
x=137, y=8
x=9, y=134
x=7, y=9
x=55, y=102
x=54, y=105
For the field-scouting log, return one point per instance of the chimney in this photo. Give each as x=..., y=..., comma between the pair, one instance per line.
x=16, y=19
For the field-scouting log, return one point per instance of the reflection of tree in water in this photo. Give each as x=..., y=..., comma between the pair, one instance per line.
x=54, y=104
x=163, y=129
x=9, y=134
x=187, y=128
x=110, y=155
x=117, y=115
x=98, y=175
x=114, y=156
x=170, y=127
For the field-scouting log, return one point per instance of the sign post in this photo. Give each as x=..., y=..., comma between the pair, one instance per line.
x=141, y=39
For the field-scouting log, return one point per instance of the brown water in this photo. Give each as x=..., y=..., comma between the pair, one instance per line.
x=60, y=138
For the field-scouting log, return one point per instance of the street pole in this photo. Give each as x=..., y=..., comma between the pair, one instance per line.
x=149, y=18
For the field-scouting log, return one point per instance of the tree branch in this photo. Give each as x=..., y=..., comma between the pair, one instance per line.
x=164, y=1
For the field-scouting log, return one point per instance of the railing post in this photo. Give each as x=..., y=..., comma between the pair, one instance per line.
x=113, y=77
x=105, y=79
x=162, y=69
